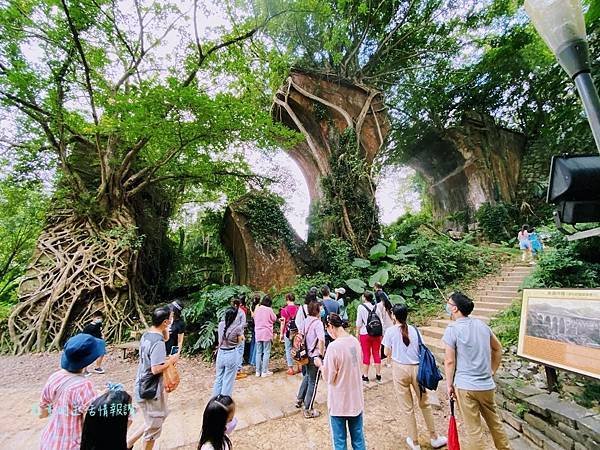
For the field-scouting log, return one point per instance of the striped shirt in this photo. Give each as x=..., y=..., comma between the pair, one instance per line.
x=67, y=396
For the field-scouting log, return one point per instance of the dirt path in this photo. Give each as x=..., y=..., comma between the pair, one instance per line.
x=267, y=418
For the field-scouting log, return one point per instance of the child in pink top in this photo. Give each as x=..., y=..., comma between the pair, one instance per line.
x=67, y=394
x=264, y=318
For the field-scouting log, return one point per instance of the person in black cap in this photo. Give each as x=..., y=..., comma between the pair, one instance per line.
x=67, y=394
x=177, y=330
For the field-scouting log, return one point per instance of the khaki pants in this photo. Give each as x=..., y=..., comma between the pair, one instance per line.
x=405, y=376
x=155, y=412
x=473, y=405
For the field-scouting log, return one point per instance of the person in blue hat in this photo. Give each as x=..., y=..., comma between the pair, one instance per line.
x=68, y=393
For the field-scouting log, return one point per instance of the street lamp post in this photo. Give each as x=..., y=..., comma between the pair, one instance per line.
x=560, y=23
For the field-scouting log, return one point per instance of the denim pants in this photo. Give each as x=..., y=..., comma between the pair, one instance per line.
x=227, y=363
x=252, y=351
x=339, y=434
x=288, y=351
x=240, y=351
x=307, y=391
x=263, y=353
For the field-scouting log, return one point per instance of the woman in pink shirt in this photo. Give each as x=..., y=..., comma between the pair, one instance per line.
x=341, y=370
x=264, y=318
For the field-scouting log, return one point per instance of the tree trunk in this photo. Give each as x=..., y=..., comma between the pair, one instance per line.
x=344, y=125
x=80, y=266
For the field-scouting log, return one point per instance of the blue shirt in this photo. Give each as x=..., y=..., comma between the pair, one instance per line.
x=471, y=340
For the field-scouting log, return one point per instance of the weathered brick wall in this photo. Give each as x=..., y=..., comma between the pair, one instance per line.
x=546, y=421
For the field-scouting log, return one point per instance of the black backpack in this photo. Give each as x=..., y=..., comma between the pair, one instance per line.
x=374, y=326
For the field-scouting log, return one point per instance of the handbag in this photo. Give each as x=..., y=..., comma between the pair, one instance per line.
x=428, y=375
x=148, y=388
x=300, y=354
x=171, y=378
x=149, y=385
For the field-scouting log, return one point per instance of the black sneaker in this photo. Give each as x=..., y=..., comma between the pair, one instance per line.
x=365, y=379
x=378, y=379
x=98, y=370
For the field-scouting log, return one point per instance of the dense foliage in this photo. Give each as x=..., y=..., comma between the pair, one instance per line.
x=23, y=207
x=265, y=220
x=203, y=312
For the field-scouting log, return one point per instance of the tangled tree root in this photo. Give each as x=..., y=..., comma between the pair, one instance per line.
x=79, y=267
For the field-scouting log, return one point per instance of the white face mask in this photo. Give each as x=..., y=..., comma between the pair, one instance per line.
x=230, y=426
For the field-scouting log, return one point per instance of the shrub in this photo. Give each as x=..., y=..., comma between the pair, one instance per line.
x=497, y=222
x=337, y=260
x=202, y=316
x=506, y=325
x=563, y=268
x=404, y=230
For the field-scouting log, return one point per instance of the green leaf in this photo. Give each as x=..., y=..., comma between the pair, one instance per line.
x=356, y=285
x=395, y=298
x=408, y=290
x=362, y=263
x=392, y=247
x=378, y=251
x=381, y=276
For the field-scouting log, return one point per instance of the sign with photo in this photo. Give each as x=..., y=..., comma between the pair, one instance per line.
x=561, y=328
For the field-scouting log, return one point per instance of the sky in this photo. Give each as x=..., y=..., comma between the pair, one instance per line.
x=394, y=194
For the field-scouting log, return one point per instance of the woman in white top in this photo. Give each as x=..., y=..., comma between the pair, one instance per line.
x=384, y=311
x=218, y=421
x=401, y=342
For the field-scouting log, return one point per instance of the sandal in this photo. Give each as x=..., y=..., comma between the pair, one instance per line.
x=311, y=413
x=290, y=371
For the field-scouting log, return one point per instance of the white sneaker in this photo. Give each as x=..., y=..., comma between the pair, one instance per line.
x=412, y=445
x=258, y=374
x=440, y=441
x=266, y=374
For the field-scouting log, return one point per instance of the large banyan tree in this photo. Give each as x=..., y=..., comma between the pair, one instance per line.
x=121, y=95
x=349, y=56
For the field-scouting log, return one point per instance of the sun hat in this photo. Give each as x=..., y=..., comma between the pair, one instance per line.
x=340, y=291
x=80, y=351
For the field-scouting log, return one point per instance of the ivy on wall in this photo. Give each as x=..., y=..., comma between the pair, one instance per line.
x=266, y=221
x=348, y=207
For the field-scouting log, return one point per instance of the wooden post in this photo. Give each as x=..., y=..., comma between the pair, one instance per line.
x=551, y=378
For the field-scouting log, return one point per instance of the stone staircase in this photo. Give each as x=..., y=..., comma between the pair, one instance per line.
x=492, y=295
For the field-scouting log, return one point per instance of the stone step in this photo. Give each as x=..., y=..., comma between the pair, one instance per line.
x=487, y=312
x=443, y=323
x=434, y=332
x=491, y=305
x=519, y=271
x=500, y=294
x=435, y=345
x=508, y=284
x=508, y=299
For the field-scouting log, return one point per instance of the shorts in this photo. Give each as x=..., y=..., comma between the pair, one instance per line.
x=370, y=346
x=155, y=412
x=524, y=245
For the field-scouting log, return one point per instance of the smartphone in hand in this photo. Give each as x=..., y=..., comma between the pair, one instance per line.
x=174, y=350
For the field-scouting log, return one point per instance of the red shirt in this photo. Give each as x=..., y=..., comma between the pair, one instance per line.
x=288, y=313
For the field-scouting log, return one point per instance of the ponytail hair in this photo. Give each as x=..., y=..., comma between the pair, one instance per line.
x=401, y=314
x=230, y=315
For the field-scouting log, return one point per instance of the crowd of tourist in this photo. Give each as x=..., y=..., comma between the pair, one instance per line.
x=317, y=344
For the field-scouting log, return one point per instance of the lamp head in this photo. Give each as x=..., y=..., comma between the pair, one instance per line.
x=561, y=25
